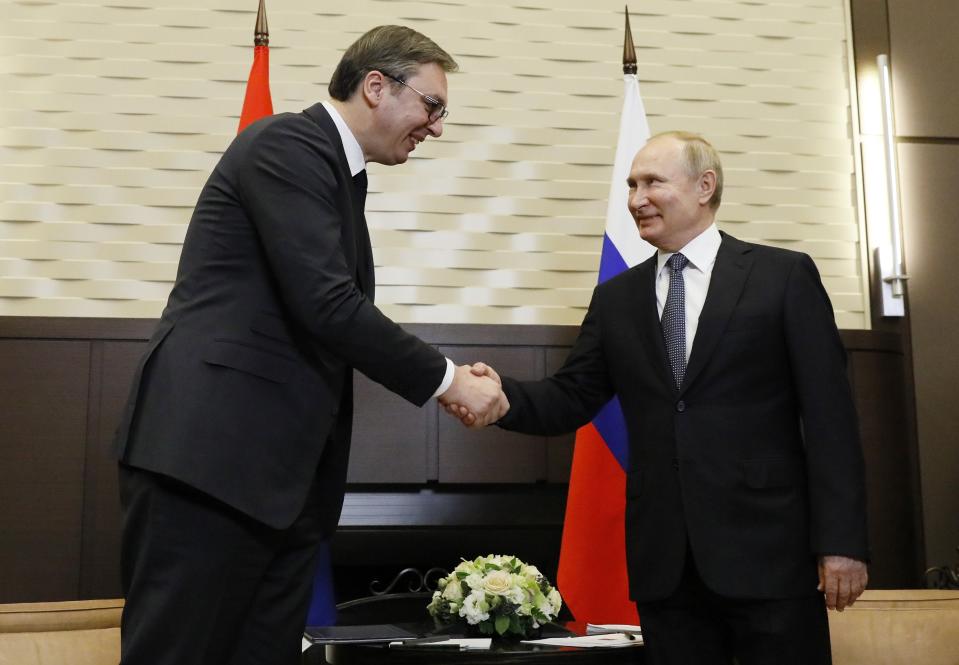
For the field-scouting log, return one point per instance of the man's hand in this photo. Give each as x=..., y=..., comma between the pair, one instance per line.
x=475, y=398
x=842, y=580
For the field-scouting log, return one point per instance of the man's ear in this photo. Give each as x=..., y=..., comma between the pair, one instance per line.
x=373, y=88
x=707, y=186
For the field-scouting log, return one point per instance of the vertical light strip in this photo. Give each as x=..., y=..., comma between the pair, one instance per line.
x=897, y=278
x=859, y=128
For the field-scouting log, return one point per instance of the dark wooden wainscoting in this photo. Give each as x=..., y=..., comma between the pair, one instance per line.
x=423, y=490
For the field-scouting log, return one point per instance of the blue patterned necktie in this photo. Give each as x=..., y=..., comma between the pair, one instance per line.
x=674, y=317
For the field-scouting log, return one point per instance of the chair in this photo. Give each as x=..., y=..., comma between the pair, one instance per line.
x=897, y=627
x=79, y=632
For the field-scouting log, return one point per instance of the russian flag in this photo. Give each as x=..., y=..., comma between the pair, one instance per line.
x=592, y=560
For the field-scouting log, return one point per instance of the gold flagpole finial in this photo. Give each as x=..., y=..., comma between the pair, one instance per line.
x=261, y=34
x=629, y=51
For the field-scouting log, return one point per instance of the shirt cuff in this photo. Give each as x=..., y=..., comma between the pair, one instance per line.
x=447, y=379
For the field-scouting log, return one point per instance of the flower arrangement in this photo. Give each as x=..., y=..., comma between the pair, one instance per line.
x=499, y=594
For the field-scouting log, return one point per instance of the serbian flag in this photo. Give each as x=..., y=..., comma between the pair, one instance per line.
x=592, y=559
x=258, y=103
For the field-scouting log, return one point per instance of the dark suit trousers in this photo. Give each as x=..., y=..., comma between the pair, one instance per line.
x=207, y=584
x=696, y=626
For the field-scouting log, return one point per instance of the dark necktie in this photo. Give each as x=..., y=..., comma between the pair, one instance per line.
x=674, y=318
x=360, y=184
x=364, y=251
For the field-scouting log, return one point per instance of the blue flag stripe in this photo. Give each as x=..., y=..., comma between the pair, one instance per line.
x=611, y=425
x=611, y=262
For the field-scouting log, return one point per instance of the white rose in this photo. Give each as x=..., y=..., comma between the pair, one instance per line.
x=497, y=583
x=533, y=572
x=453, y=592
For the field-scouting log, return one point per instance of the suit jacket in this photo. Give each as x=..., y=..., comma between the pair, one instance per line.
x=245, y=389
x=755, y=461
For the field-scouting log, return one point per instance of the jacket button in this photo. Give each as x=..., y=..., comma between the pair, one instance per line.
x=680, y=406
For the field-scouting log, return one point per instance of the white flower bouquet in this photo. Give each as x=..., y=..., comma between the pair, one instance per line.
x=499, y=594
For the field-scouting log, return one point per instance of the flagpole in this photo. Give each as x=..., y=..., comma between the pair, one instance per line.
x=261, y=33
x=629, y=50
x=258, y=102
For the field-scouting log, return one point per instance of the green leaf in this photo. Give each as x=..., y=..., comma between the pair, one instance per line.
x=502, y=623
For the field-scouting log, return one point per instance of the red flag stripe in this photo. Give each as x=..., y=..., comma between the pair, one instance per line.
x=592, y=565
x=257, y=103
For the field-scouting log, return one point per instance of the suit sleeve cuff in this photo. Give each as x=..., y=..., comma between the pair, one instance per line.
x=447, y=379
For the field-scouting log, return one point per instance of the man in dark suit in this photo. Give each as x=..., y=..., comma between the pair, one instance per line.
x=234, y=445
x=745, y=485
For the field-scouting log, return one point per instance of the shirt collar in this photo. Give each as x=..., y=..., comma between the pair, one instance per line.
x=701, y=250
x=354, y=153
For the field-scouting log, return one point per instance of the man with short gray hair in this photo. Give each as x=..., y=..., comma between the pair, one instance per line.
x=745, y=490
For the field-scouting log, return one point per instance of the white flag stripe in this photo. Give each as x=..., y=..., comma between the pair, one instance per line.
x=633, y=134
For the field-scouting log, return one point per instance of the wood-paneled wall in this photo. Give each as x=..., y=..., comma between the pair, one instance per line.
x=419, y=483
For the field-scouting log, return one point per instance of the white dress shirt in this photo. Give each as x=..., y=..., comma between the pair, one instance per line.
x=357, y=163
x=354, y=153
x=701, y=252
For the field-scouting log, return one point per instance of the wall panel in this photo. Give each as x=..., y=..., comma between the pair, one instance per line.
x=43, y=422
x=64, y=382
x=113, y=115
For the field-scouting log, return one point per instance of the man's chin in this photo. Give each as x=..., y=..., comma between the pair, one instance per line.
x=392, y=160
x=646, y=231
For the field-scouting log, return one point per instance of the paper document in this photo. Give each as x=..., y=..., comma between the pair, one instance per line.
x=593, y=641
x=604, y=628
x=461, y=643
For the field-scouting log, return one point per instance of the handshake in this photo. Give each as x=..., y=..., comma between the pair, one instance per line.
x=476, y=396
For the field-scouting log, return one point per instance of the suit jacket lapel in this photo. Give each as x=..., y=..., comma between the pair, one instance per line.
x=732, y=267
x=360, y=251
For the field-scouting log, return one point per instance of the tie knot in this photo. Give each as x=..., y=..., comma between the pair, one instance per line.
x=677, y=262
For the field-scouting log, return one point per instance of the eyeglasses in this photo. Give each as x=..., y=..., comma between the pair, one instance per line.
x=436, y=109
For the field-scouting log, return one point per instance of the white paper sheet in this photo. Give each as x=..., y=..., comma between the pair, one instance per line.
x=591, y=641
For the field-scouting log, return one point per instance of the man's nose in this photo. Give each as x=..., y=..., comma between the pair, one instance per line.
x=435, y=128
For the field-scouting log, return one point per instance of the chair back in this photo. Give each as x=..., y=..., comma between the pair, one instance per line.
x=79, y=632
x=895, y=626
